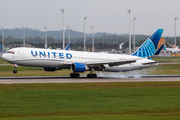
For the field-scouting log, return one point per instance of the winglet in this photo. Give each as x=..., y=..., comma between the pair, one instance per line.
x=148, y=48
x=68, y=47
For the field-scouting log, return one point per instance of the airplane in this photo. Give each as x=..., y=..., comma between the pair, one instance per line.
x=172, y=50
x=81, y=61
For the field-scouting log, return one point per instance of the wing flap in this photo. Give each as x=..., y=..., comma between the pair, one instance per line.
x=110, y=63
x=101, y=63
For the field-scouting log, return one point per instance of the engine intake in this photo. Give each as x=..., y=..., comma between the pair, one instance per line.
x=78, y=67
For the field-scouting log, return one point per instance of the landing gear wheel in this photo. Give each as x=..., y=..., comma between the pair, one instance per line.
x=14, y=66
x=91, y=75
x=88, y=75
x=94, y=76
x=74, y=75
x=15, y=71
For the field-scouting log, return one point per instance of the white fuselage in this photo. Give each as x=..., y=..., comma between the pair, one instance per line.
x=173, y=50
x=61, y=59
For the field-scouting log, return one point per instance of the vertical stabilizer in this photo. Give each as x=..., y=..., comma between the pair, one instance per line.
x=68, y=47
x=148, y=48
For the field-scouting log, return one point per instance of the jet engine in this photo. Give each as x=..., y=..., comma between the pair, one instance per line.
x=79, y=67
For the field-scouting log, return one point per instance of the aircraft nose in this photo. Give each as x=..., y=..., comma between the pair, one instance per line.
x=4, y=56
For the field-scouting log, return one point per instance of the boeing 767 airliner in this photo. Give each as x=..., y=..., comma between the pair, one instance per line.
x=79, y=62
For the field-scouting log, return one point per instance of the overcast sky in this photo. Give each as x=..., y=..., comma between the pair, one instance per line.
x=105, y=15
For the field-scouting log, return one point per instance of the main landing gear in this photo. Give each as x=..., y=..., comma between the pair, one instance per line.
x=74, y=75
x=91, y=75
x=14, y=66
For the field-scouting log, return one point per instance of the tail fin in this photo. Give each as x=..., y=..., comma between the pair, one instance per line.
x=148, y=48
x=159, y=49
x=68, y=47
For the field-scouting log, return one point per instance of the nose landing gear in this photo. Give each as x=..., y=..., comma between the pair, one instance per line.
x=15, y=71
x=14, y=66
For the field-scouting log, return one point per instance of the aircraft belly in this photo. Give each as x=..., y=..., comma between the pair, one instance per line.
x=124, y=69
x=118, y=69
x=40, y=63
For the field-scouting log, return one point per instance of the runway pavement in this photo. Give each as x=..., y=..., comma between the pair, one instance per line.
x=64, y=79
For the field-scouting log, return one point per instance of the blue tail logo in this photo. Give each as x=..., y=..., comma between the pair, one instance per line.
x=68, y=47
x=148, y=48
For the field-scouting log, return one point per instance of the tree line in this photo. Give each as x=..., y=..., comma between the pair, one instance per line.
x=101, y=43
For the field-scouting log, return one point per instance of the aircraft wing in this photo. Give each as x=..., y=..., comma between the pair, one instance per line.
x=110, y=63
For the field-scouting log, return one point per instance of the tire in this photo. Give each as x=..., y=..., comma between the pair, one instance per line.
x=94, y=76
x=72, y=75
x=15, y=71
x=91, y=76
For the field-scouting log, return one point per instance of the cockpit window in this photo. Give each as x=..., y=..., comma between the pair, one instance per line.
x=12, y=52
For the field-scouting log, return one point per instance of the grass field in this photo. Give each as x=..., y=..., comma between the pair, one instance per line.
x=173, y=59
x=3, y=61
x=87, y=101
x=144, y=100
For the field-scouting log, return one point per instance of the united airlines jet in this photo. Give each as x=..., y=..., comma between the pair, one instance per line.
x=79, y=62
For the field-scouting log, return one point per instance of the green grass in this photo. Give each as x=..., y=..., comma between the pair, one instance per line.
x=3, y=61
x=159, y=116
x=173, y=59
x=30, y=71
x=164, y=69
x=145, y=100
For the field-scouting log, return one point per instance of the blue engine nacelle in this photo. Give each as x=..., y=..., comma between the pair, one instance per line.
x=78, y=67
x=49, y=69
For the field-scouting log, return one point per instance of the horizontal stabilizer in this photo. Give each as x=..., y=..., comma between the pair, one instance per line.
x=155, y=62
